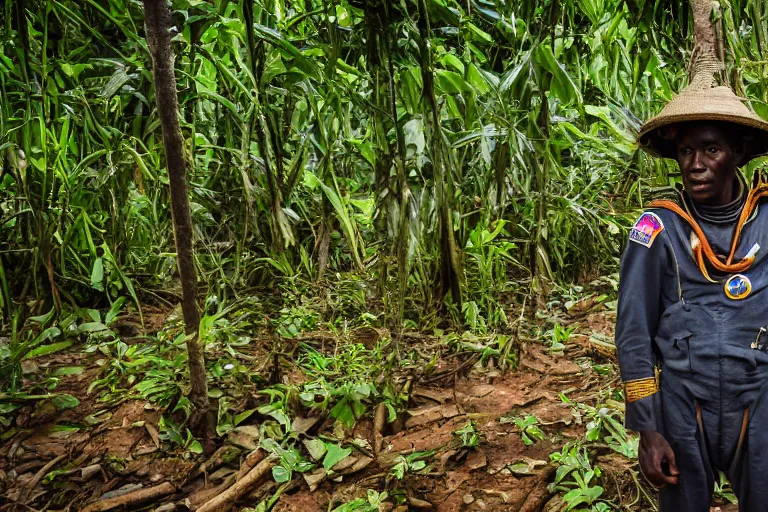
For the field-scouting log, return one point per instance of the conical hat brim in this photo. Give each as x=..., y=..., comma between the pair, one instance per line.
x=712, y=104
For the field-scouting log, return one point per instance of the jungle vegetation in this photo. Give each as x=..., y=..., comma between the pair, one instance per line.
x=417, y=166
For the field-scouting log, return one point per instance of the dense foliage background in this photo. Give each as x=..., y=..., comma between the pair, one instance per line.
x=427, y=155
x=408, y=149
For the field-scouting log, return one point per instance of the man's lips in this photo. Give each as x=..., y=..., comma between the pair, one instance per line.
x=700, y=185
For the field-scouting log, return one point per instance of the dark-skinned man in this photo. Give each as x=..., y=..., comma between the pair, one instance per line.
x=693, y=308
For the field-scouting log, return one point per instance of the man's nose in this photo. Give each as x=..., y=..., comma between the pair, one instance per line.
x=698, y=161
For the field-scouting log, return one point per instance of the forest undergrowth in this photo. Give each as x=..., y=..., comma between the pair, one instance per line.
x=346, y=416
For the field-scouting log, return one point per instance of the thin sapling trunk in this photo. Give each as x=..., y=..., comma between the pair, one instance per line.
x=157, y=18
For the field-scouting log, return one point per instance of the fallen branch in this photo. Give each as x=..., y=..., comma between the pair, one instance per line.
x=131, y=500
x=378, y=428
x=226, y=500
x=20, y=437
x=253, y=458
x=223, y=455
x=37, y=478
x=199, y=498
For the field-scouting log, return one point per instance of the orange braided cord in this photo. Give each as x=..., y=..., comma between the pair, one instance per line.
x=705, y=250
x=754, y=196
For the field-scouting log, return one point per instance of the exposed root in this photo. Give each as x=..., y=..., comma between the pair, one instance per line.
x=226, y=500
x=133, y=499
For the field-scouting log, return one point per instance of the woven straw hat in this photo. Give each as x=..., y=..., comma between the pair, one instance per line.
x=697, y=103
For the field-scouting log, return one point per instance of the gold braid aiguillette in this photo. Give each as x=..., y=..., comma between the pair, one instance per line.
x=634, y=390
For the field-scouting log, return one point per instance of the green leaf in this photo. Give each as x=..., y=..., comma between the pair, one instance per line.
x=277, y=39
x=74, y=70
x=399, y=469
x=334, y=455
x=7, y=407
x=343, y=412
x=562, y=472
x=65, y=402
x=195, y=447
x=97, y=275
x=516, y=75
x=114, y=310
x=480, y=35
x=562, y=86
x=477, y=80
x=62, y=431
x=118, y=79
x=277, y=413
x=44, y=350
x=593, y=432
x=69, y=370
x=448, y=82
x=315, y=447
x=391, y=412
x=270, y=445
x=347, y=222
x=43, y=319
x=281, y=474
x=450, y=60
x=418, y=465
x=92, y=327
x=243, y=416
x=48, y=334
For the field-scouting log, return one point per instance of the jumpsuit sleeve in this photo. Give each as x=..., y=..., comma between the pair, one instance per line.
x=639, y=309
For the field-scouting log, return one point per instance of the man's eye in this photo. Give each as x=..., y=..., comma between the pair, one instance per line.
x=712, y=150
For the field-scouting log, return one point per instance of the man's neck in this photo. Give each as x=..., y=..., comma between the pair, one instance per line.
x=725, y=212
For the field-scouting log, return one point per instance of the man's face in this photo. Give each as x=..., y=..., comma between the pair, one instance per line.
x=708, y=162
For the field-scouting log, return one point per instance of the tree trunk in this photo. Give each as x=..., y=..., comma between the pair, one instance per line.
x=157, y=18
x=707, y=59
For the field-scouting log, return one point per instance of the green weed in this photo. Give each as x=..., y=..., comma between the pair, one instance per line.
x=371, y=503
x=528, y=427
x=469, y=436
x=576, y=477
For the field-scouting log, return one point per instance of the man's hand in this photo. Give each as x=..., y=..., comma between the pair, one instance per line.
x=653, y=453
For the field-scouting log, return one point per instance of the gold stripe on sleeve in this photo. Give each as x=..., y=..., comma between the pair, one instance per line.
x=634, y=390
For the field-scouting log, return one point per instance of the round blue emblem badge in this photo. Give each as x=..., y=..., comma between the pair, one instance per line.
x=738, y=287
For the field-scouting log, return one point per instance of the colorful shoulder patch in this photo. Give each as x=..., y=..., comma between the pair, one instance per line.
x=645, y=230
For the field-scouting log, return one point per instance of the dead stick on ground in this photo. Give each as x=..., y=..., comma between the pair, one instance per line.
x=132, y=499
x=226, y=500
x=253, y=458
x=378, y=428
x=36, y=479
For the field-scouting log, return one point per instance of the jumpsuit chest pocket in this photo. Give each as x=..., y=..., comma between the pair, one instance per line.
x=682, y=359
x=676, y=340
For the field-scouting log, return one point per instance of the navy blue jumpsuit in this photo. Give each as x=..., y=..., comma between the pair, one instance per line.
x=712, y=357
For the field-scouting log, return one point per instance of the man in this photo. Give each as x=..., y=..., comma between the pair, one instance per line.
x=693, y=308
